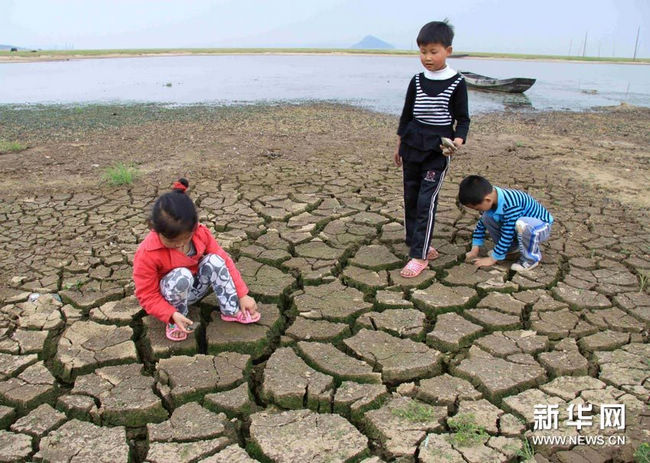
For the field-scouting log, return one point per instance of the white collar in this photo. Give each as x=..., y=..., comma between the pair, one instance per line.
x=442, y=74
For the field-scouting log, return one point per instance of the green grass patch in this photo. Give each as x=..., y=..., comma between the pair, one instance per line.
x=121, y=174
x=642, y=454
x=416, y=412
x=466, y=433
x=11, y=147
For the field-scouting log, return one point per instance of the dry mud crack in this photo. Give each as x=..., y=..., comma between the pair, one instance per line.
x=350, y=362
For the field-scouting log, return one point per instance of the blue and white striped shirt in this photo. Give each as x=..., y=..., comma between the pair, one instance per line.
x=511, y=206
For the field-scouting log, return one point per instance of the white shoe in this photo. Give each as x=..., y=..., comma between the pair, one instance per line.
x=524, y=265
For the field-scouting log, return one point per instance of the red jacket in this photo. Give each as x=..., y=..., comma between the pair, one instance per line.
x=152, y=261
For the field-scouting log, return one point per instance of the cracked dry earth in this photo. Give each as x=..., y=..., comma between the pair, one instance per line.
x=349, y=362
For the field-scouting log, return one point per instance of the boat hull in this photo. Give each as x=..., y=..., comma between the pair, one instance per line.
x=489, y=84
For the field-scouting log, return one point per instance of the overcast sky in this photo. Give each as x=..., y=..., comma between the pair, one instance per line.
x=517, y=26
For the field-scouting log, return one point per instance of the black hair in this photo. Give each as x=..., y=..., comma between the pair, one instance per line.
x=436, y=32
x=473, y=190
x=174, y=212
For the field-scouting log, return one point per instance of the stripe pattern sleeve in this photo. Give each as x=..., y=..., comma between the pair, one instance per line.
x=478, y=237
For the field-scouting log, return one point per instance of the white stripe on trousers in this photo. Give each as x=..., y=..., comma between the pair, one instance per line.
x=425, y=247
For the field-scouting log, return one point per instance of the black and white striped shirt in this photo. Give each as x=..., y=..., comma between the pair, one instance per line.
x=438, y=104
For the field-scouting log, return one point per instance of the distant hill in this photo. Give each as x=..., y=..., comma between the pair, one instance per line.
x=370, y=42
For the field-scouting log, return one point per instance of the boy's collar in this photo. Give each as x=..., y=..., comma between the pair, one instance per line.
x=445, y=73
x=498, y=205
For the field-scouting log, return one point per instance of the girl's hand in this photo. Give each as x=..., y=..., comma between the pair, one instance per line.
x=181, y=321
x=248, y=304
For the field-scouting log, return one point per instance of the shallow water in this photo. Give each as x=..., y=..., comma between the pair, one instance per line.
x=374, y=82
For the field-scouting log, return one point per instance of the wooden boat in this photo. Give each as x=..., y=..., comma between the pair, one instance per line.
x=513, y=85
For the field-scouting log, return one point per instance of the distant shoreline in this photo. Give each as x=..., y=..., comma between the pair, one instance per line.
x=66, y=55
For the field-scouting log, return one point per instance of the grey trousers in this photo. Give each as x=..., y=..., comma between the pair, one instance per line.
x=180, y=288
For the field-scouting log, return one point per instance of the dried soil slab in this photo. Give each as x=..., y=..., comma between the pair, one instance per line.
x=497, y=377
x=436, y=448
x=471, y=275
x=330, y=360
x=323, y=437
x=375, y=257
x=268, y=256
x=365, y=279
x=278, y=208
x=119, y=312
x=401, y=424
x=506, y=343
x=42, y=314
x=312, y=271
x=405, y=323
x=503, y=303
x=253, y=339
x=265, y=282
x=560, y=324
x=290, y=382
x=353, y=399
x=236, y=402
x=523, y=404
x=182, y=378
x=484, y=414
x=190, y=422
x=29, y=389
x=452, y=332
x=156, y=344
x=39, y=421
x=570, y=387
x=493, y=319
x=11, y=365
x=86, y=345
x=581, y=298
x=636, y=304
x=446, y=390
x=304, y=329
x=26, y=342
x=81, y=407
x=78, y=441
x=392, y=300
x=344, y=232
x=564, y=362
x=87, y=298
x=14, y=447
x=231, y=454
x=318, y=250
x=7, y=416
x=614, y=319
x=125, y=395
x=440, y=298
x=398, y=359
x=604, y=340
x=612, y=395
x=333, y=302
x=184, y=452
x=626, y=368
x=541, y=277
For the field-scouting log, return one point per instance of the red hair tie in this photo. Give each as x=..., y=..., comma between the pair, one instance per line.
x=179, y=186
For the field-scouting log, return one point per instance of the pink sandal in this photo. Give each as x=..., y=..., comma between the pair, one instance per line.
x=414, y=267
x=174, y=333
x=433, y=254
x=241, y=317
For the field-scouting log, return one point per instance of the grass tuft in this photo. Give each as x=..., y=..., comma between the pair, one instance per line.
x=642, y=454
x=466, y=433
x=11, y=147
x=416, y=412
x=121, y=174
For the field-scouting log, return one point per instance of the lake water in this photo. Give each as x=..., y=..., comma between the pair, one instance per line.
x=374, y=82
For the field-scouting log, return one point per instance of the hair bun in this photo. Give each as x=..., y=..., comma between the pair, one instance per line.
x=181, y=185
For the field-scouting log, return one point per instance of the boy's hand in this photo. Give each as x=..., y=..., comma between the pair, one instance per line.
x=472, y=254
x=458, y=142
x=181, y=321
x=485, y=261
x=248, y=304
x=397, y=158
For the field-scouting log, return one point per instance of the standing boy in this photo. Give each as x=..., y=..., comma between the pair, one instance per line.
x=436, y=100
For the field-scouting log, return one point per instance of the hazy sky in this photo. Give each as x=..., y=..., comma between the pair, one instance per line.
x=518, y=26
